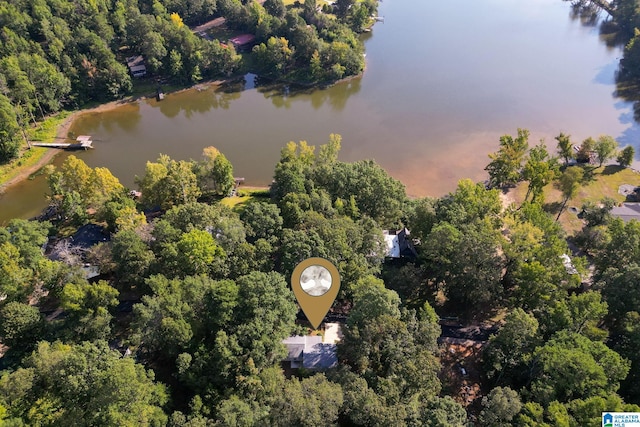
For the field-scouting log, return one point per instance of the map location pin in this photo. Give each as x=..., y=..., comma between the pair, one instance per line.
x=315, y=283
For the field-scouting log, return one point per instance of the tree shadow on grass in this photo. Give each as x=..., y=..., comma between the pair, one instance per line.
x=611, y=169
x=552, y=207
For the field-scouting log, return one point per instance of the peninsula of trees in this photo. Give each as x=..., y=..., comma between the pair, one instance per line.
x=185, y=322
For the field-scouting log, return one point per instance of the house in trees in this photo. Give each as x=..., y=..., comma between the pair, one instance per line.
x=399, y=244
x=73, y=250
x=136, y=66
x=312, y=352
x=243, y=42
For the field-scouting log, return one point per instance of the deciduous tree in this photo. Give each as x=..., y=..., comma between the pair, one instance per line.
x=565, y=147
x=506, y=163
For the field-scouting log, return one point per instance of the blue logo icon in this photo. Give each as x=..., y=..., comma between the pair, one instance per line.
x=607, y=420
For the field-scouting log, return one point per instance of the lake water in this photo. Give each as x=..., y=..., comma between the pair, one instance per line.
x=444, y=80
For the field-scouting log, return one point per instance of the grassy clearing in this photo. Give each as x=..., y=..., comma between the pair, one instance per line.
x=26, y=160
x=46, y=132
x=246, y=195
x=604, y=183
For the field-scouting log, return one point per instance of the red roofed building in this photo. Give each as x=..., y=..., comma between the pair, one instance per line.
x=243, y=41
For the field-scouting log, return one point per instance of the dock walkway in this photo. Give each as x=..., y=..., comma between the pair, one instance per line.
x=82, y=142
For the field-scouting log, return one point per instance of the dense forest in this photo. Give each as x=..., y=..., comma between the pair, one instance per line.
x=63, y=54
x=184, y=324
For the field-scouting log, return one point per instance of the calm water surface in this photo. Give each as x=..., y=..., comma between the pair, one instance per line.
x=444, y=80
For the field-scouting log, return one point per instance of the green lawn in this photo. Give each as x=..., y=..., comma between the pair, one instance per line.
x=246, y=195
x=605, y=183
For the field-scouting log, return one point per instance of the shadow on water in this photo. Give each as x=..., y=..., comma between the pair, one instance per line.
x=586, y=12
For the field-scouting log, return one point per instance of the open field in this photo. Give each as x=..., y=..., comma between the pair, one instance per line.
x=604, y=182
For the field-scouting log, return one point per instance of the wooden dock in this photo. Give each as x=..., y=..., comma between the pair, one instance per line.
x=83, y=142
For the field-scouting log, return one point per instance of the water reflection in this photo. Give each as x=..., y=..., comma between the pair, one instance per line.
x=336, y=96
x=586, y=12
x=613, y=37
x=200, y=100
x=126, y=118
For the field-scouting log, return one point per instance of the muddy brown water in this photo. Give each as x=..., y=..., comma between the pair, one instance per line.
x=444, y=80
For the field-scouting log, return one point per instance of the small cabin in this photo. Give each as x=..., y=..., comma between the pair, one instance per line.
x=136, y=66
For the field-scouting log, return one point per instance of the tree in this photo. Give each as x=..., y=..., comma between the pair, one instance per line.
x=9, y=131
x=15, y=279
x=215, y=172
x=196, y=251
x=328, y=153
x=87, y=307
x=626, y=156
x=506, y=163
x=466, y=264
x=581, y=314
x=314, y=401
x=275, y=7
x=571, y=366
x=83, y=385
x=168, y=182
x=397, y=347
x=175, y=318
x=75, y=187
x=305, y=39
x=539, y=170
x=507, y=350
x=274, y=56
x=621, y=290
x=132, y=258
x=500, y=407
x=586, y=148
x=568, y=184
x=443, y=412
x=21, y=325
x=605, y=148
x=565, y=147
x=629, y=346
x=262, y=221
x=470, y=203
x=596, y=214
x=222, y=175
x=264, y=317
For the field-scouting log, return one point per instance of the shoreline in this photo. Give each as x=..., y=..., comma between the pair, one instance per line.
x=61, y=133
x=63, y=129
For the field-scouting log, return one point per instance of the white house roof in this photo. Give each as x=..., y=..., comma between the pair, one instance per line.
x=392, y=248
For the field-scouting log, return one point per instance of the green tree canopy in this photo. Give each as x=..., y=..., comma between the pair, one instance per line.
x=506, y=164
